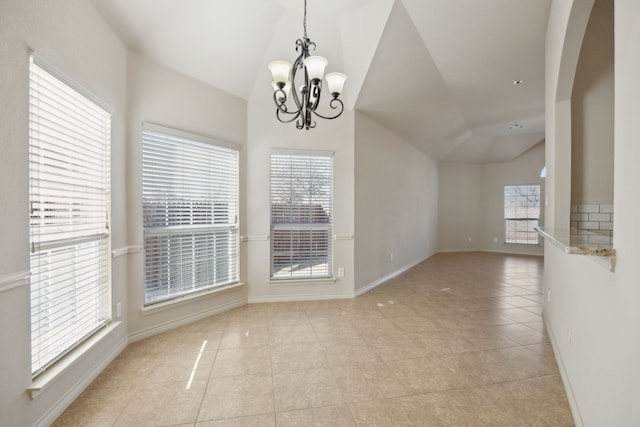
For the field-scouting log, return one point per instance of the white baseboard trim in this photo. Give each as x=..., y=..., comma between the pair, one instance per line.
x=14, y=280
x=390, y=276
x=446, y=251
x=514, y=252
x=289, y=298
x=573, y=404
x=75, y=391
x=164, y=327
x=507, y=252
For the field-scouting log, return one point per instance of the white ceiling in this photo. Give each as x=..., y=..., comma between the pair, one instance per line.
x=437, y=73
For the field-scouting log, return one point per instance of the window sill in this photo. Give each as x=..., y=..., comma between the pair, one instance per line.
x=287, y=282
x=166, y=305
x=48, y=377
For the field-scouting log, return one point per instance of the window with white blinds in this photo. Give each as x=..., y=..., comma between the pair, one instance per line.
x=301, y=215
x=69, y=194
x=190, y=208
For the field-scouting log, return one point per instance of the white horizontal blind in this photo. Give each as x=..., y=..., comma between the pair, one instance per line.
x=190, y=207
x=69, y=161
x=301, y=216
x=521, y=213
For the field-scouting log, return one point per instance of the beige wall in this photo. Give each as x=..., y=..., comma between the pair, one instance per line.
x=460, y=207
x=592, y=112
x=71, y=36
x=395, y=206
x=598, y=310
x=471, y=202
x=164, y=97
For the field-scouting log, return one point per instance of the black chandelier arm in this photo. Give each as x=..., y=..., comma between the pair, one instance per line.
x=280, y=99
x=295, y=115
x=305, y=122
x=314, y=95
x=331, y=104
x=294, y=91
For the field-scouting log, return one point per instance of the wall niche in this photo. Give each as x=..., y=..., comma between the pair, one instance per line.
x=592, y=124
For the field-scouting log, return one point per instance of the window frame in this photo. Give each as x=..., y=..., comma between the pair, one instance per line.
x=70, y=210
x=518, y=219
x=319, y=209
x=193, y=224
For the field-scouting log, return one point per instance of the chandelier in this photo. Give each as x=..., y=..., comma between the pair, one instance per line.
x=306, y=96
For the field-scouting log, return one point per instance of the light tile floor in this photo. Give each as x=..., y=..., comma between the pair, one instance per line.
x=456, y=341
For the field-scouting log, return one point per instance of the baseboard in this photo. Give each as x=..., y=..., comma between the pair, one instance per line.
x=446, y=251
x=512, y=252
x=390, y=276
x=497, y=251
x=57, y=410
x=573, y=404
x=164, y=327
x=290, y=298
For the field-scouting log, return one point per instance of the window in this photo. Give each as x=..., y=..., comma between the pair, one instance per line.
x=301, y=215
x=69, y=195
x=190, y=209
x=521, y=213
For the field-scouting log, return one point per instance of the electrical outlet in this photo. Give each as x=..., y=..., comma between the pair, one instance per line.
x=548, y=294
x=469, y=239
x=391, y=257
x=118, y=310
x=340, y=271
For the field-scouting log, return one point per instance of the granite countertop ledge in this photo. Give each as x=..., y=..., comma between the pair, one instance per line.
x=565, y=240
x=580, y=250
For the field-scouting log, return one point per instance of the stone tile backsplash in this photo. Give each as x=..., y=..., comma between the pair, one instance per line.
x=592, y=225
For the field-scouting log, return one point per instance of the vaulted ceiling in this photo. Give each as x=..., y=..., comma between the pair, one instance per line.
x=439, y=74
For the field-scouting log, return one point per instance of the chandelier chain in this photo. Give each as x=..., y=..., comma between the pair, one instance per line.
x=304, y=21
